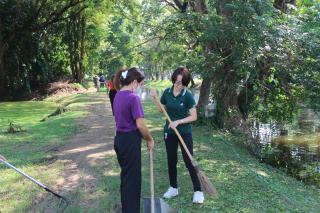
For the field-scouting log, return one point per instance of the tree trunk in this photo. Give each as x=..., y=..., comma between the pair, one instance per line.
x=76, y=32
x=201, y=7
x=3, y=76
x=204, y=93
x=2, y=79
x=225, y=85
x=282, y=4
x=82, y=39
x=226, y=89
x=227, y=110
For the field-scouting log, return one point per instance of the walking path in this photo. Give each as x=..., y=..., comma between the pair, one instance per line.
x=86, y=150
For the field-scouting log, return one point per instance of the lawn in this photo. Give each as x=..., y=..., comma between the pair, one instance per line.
x=29, y=150
x=244, y=184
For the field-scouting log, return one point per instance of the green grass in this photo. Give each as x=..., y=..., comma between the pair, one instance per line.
x=163, y=84
x=103, y=89
x=30, y=150
x=244, y=184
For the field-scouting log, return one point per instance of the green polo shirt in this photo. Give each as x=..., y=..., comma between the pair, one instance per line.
x=178, y=108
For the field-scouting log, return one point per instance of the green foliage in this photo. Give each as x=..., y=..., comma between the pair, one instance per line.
x=118, y=50
x=44, y=41
x=259, y=59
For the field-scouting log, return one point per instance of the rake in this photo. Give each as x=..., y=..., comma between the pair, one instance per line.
x=39, y=184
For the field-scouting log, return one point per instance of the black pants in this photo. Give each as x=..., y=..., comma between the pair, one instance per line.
x=172, y=142
x=112, y=94
x=128, y=148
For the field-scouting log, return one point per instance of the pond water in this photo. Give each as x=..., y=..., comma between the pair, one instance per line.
x=303, y=133
x=295, y=147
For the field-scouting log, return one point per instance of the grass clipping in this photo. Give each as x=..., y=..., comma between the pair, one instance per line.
x=13, y=128
x=58, y=111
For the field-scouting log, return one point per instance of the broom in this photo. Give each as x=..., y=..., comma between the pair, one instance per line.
x=204, y=180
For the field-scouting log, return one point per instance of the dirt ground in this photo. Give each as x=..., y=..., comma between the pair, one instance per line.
x=86, y=150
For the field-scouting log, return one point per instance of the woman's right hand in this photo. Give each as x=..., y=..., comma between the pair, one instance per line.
x=2, y=158
x=153, y=93
x=150, y=144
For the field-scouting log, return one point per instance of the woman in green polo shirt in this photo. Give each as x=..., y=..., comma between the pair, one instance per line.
x=180, y=106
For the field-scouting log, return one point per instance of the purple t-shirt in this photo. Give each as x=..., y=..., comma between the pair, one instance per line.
x=127, y=108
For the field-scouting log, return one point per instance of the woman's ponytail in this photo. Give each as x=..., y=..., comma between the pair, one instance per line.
x=116, y=80
x=125, y=76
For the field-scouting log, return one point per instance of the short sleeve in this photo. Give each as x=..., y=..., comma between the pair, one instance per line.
x=189, y=101
x=163, y=97
x=136, y=108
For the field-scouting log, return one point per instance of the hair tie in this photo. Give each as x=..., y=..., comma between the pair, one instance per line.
x=124, y=74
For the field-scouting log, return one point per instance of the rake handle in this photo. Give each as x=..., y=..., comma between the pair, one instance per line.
x=24, y=174
x=151, y=181
x=33, y=180
x=194, y=163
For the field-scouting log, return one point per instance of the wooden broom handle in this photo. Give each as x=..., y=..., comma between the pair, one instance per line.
x=151, y=182
x=176, y=131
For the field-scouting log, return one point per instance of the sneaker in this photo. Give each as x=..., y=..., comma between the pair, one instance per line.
x=198, y=197
x=171, y=192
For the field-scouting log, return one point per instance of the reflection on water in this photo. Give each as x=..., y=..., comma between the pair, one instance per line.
x=304, y=132
x=295, y=146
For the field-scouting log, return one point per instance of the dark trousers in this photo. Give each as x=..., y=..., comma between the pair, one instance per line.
x=112, y=94
x=128, y=148
x=172, y=142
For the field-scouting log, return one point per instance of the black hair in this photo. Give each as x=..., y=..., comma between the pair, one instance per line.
x=186, y=77
x=133, y=74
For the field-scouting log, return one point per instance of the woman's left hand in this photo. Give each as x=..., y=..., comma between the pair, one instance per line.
x=174, y=124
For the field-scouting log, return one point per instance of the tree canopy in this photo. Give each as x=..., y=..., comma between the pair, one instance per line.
x=255, y=58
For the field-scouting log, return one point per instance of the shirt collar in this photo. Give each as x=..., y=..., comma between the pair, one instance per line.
x=182, y=93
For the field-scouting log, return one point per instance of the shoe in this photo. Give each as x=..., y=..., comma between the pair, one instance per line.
x=171, y=192
x=198, y=197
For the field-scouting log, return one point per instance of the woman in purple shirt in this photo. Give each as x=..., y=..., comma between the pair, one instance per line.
x=130, y=128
